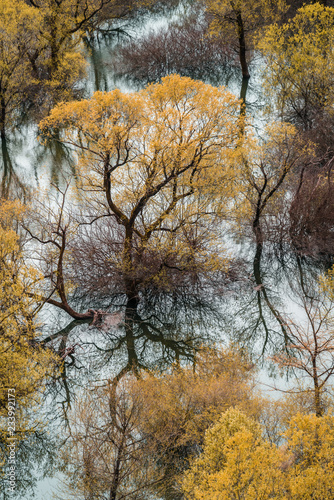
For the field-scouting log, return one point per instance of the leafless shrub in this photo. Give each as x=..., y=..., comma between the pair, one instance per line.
x=185, y=48
x=312, y=212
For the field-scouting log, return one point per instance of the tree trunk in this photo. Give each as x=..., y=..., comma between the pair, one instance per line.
x=317, y=398
x=3, y=119
x=242, y=46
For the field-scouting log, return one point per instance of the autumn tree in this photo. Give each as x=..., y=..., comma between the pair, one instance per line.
x=143, y=161
x=298, y=74
x=58, y=60
x=42, y=53
x=19, y=28
x=236, y=463
x=239, y=21
x=267, y=167
x=309, y=457
x=124, y=444
x=24, y=365
x=191, y=400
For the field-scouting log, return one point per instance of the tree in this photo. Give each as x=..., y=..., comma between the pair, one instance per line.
x=236, y=463
x=41, y=51
x=298, y=74
x=267, y=166
x=12, y=185
x=239, y=21
x=58, y=60
x=311, y=343
x=191, y=400
x=144, y=163
x=310, y=447
x=106, y=456
x=19, y=28
x=124, y=445
x=24, y=365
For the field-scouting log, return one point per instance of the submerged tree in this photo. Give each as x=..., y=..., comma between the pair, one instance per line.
x=125, y=445
x=19, y=28
x=298, y=74
x=239, y=22
x=267, y=167
x=137, y=245
x=311, y=214
x=63, y=24
x=236, y=463
x=144, y=162
x=24, y=365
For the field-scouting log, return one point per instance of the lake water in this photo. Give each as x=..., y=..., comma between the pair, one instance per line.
x=243, y=309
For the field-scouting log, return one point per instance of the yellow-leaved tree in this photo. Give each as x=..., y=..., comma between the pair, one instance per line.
x=19, y=29
x=298, y=72
x=23, y=364
x=145, y=163
x=268, y=164
x=239, y=21
x=59, y=59
x=134, y=439
x=236, y=463
x=310, y=457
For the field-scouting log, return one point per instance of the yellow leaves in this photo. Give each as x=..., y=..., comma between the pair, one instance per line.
x=121, y=438
x=70, y=69
x=264, y=166
x=178, y=109
x=191, y=401
x=19, y=25
x=103, y=122
x=326, y=283
x=178, y=127
x=299, y=62
x=254, y=14
x=23, y=365
x=236, y=463
x=311, y=443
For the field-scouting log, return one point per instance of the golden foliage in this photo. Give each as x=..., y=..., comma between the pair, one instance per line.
x=265, y=166
x=311, y=448
x=136, y=438
x=19, y=25
x=236, y=463
x=23, y=365
x=298, y=74
x=254, y=13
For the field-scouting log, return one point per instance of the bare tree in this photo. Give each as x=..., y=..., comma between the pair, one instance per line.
x=311, y=346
